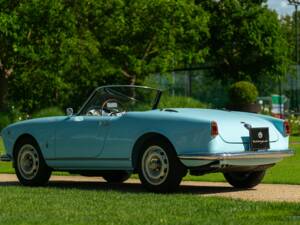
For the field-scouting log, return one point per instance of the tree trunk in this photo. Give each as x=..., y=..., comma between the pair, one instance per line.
x=131, y=77
x=133, y=80
x=3, y=91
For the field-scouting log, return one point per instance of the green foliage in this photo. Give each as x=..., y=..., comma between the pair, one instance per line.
x=168, y=101
x=246, y=42
x=146, y=36
x=55, y=58
x=294, y=122
x=212, y=91
x=10, y=116
x=4, y=120
x=52, y=111
x=243, y=92
x=14, y=115
x=287, y=23
x=60, y=51
x=160, y=81
x=56, y=52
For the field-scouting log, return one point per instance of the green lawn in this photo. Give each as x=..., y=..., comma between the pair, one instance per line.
x=287, y=171
x=5, y=167
x=295, y=139
x=94, y=203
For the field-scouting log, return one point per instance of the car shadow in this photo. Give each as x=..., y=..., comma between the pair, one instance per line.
x=130, y=187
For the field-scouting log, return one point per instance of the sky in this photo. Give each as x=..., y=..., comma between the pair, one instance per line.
x=281, y=6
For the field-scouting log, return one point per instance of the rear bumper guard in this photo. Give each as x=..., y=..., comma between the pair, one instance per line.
x=263, y=154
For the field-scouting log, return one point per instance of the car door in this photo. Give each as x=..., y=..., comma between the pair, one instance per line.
x=80, y=137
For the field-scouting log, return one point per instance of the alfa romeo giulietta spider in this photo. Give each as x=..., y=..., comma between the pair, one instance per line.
x=121, y=130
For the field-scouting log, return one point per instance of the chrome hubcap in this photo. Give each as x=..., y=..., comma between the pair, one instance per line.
x=28, y=161
x=155, y=165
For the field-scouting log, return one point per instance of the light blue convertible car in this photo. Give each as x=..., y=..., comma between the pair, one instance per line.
x=121, y=130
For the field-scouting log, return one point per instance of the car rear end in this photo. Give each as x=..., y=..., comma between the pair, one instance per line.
x=239, y=142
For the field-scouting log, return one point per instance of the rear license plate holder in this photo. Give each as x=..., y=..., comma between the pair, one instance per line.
x=259, y=138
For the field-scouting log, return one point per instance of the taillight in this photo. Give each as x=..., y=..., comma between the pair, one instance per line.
x=214, y=129
x=287, y=128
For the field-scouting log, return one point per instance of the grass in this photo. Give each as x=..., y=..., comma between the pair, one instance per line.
x=5, y=167
x=295, y=139
x=83, y=204
x=283, y=172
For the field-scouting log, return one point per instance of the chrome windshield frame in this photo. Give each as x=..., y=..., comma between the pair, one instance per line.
x=154, y=106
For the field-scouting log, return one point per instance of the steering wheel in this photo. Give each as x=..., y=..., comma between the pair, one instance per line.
x=94, y=111
x=112, y=107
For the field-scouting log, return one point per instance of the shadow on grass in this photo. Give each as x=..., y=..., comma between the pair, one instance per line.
x=130, y=187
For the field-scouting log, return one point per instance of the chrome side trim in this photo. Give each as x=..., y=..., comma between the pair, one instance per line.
x=240, y=155
x=5, y=158
x=82, y=158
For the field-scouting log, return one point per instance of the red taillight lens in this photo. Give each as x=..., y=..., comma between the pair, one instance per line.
x=287, y=128
x=214, y=129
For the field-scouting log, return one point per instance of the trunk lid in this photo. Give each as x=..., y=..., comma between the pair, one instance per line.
x=232, y=125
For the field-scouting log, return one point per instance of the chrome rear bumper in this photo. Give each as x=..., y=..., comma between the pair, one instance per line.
x=265, y=154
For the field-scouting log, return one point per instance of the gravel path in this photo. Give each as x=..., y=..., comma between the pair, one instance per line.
x=262, y=192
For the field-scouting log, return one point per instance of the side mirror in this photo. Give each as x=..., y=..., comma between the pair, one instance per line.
x=69, y=111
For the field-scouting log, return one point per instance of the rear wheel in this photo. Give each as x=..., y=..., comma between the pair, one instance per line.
x=159, y=168
x=117, y=177
x=30, y=165
x=244, y=179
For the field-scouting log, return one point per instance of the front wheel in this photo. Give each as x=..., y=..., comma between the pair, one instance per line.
x=159, y=168
x=30, y=165
x=244, y=179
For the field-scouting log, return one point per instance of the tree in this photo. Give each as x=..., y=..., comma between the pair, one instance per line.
x=58, y=51
x=8, y=35
x=246, y=41
x=288, y=31
x=146, y=36
x=55, y=57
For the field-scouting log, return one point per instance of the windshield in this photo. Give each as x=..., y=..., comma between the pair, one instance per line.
x=112, y=100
